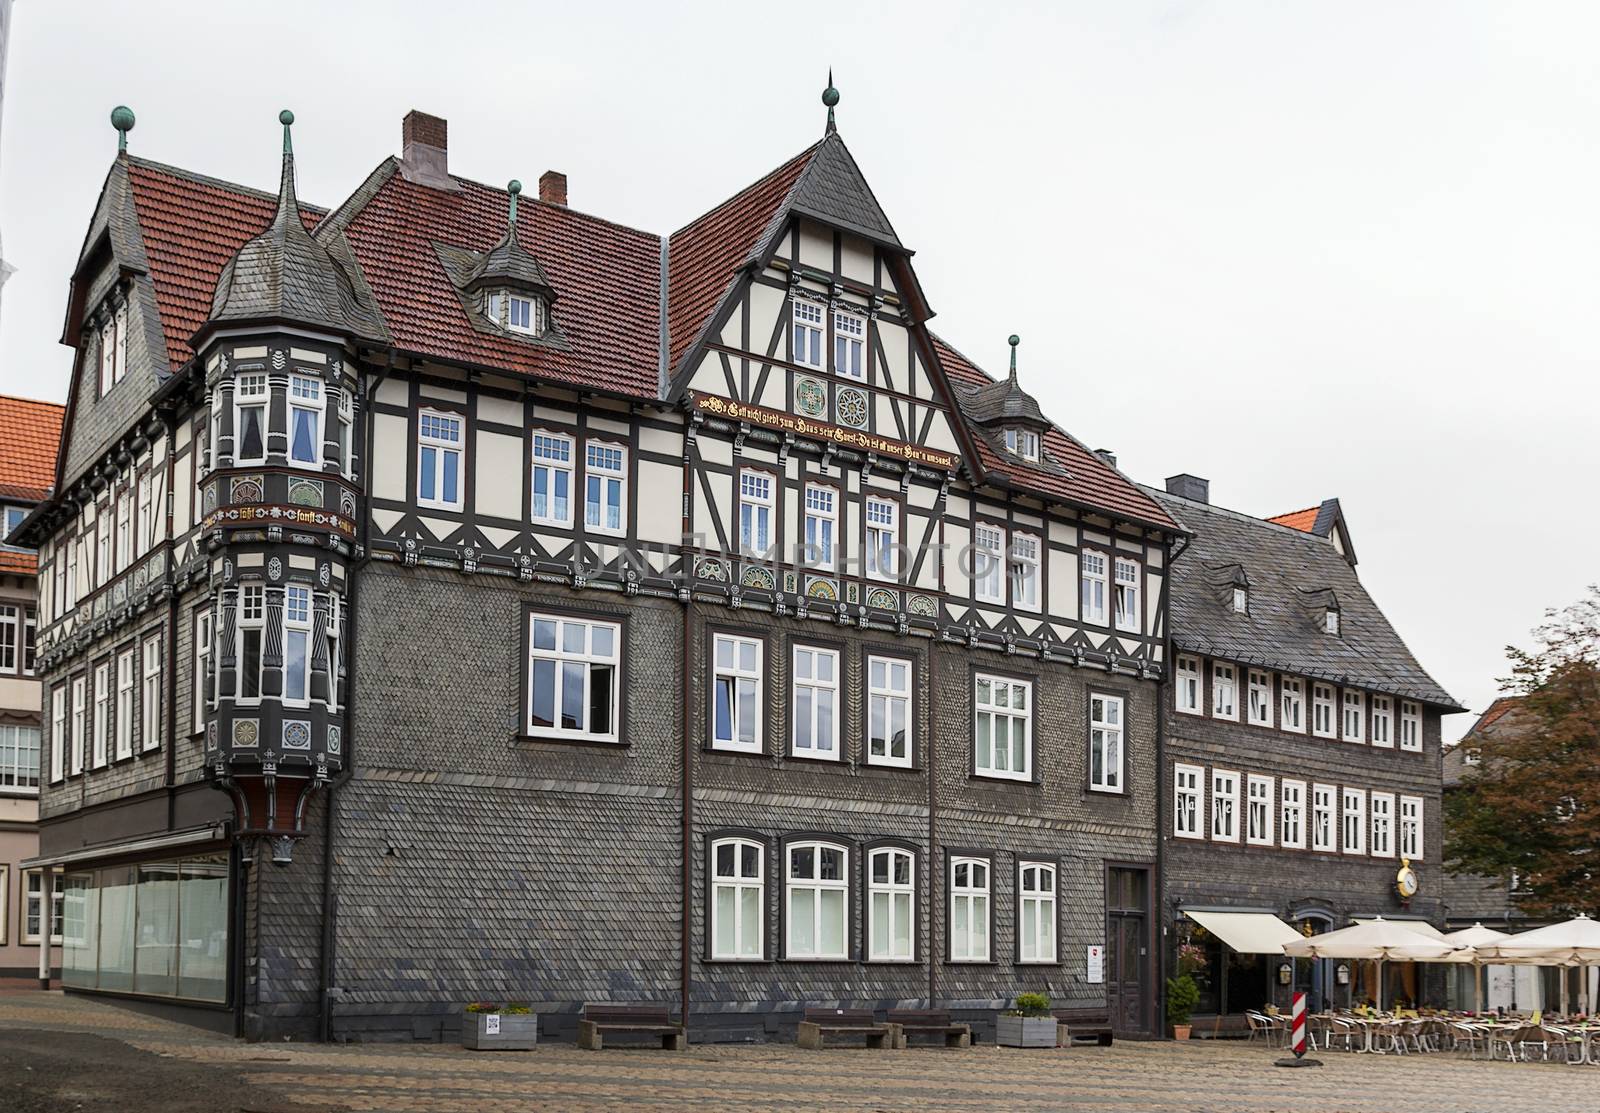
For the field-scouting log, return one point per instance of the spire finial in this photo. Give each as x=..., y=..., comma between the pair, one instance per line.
x=122, y=120
x=830, y=97
x=1014, y=340
x=513, y=187
x=286, y=118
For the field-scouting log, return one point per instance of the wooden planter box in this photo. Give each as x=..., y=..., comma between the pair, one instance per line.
x=1025, y=1031
x=500, y=1031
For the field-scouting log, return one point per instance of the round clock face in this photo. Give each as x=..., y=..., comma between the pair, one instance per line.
x=1406, y=882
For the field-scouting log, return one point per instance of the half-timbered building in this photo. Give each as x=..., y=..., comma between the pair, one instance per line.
x=475, y=598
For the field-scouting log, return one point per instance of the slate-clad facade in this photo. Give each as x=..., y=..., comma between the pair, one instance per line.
x=474, y=598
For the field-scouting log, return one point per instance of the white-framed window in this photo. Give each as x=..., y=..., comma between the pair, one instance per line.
x=849, y=344
x=1025, y=571
x=1224, y=691
x=816, y=702
x=1258, y=698
x=124, y=529
x=74, y=584
x=1322, y=829
x=1105, y=742
x=822, y=519
x=969, y=909
x=144, y=532
x=58, y=733
x=572, y=677
x=882, y=538
x=1022, y=442
x=1128, y=613
x=989, y=565
x=30, y=639
x=889, y=721
x=150, y=695
x=807, y=333
x=1353, y=802
x=107, y=353
x=80, y=720
x=99, y=752
x=1187, y=697
x=344, y=420
x=251, y=634
x=1003, y=730
x=305, y=420
x=1188, y=800
x=333, y=632
x=439, y=446
x=19, y=759
x=1330, y=622
x=551, y=480
x=1224, y=806
x=202, y=669
x=1382, y=844
x=10, y=518
x=755, y=512
x=891, y=903
x=10, y=631
x=126, y=668
x=1410, y=725
x=605, y=487
x=521, y=313
x=1411, y=827
x=1258, y=815
x=1352, y=721
x=817, y=896
x=1092, y=576
x=250, y=396
x=1036, y=912
x=1382, y=721
x=1293, y=829
x=1322, y=710
x=1241, y=600
x=736, y=693
x=738, y=899
x=297, y=645
x=1292, y=704
x=33, y=907
x=102, y=562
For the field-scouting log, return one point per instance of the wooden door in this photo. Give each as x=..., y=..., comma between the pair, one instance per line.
x=1128, y=982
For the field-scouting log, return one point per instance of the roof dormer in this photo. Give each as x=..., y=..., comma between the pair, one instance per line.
x=1322, y=606
x=1232, y=586
x=506, y=287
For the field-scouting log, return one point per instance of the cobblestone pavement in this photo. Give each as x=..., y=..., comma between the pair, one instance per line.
x=1183, y=1078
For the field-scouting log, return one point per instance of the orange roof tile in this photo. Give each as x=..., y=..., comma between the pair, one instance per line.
x=1303, y=520
x=19, y=564
x=31, y=435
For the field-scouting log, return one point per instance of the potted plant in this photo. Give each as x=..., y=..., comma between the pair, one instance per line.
x=1182, y=996
x=1028, y=1024
x=496, y=1026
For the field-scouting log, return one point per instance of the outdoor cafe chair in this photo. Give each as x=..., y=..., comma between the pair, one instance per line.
x=1559, y=1042
x=1341, y=1029
x=1259, y=1026
x=1473, y=1037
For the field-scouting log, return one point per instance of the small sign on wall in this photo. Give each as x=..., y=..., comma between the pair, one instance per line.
x=491, y=1024
x=1096, y=964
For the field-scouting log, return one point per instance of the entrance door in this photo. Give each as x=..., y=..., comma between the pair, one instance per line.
x=1128, y=949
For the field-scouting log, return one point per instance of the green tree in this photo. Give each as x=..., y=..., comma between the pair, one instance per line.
x=1532, y=803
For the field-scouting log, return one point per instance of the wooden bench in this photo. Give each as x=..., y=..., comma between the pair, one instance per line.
x=651, y=1019
x=821, y=1023
x=909, y=1022
x=1082, y=1026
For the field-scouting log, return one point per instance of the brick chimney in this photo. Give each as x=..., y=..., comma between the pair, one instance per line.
x=553, y=187
x=424, y=151
x=1190, y=487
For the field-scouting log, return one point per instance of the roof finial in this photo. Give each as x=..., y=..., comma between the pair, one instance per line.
x=122, y=120
x=513, y=187
x=1014, y=340
x=286, y=118
x=830, y=97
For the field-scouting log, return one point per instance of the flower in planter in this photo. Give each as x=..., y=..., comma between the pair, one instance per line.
x=1031, y=1004
x=510, y=1008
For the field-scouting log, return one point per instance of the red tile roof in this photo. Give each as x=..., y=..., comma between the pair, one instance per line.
x=607, y=280
x=191, y=226
x=19, y=564
x=32, y=434
x=704, y=254
x=1303, y=520
x=1089, y=480
x=1495, y=712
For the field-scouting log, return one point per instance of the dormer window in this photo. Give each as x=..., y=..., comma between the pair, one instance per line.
x=517, y=312
x=1330, y=621
x=1022, y=442
x=1241, y=600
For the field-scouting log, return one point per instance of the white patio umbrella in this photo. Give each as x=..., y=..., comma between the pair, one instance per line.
x=1380, y=939
x=1574, y=942
x=1470, y=940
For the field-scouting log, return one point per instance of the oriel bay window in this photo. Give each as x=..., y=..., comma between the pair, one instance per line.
x=250, y=633
x=250, y=396
x=969, y=909
x=1036, y=912
x=1003, y=728
x=297, y=645
x=888, y=711
x=439, y=446
x=891, y=899
x=736, y=693
x=816, y=900
x=572, y=677
x=552, y=480
x=605, y=488
x=305, y=420
x=816, y=700
x=738, y=899
x=1105, y=743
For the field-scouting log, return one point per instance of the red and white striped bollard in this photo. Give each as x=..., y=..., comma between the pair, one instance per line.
x=1297, y=1026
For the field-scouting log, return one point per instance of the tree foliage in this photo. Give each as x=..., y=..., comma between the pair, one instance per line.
x=1532, y=803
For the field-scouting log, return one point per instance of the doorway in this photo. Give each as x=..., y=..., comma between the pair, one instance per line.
x=1128, y=949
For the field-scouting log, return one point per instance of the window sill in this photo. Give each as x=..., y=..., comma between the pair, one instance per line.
x=727, y=751
x=1001, y=778
x=1037, y=963
x=971, y=962
x=566, y=740
x=1108, y=793
x=737, y=961
x=817, y=961
x=890, y=767
x=801, y=755
x=597, y=531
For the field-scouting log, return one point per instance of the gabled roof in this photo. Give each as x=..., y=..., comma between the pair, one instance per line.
x=1303, y=520
x=30, y=433
x=1288, y=571
x=833, y=190
x=1324, y=520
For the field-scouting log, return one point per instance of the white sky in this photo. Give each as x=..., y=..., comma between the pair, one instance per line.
x=1301, y=250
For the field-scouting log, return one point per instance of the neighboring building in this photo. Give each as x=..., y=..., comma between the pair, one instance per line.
x=423, y=619
x=1302, y=753
x=29, y=434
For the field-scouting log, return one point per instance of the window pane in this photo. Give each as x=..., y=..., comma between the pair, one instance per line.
x=724, y=654
x=294, y=665
x=902, y=925
x=156, y=950
x=832, y=935
x=303, y=446
x=803, y=862
x=983, y=743
x=573, y=636
x=749, y=861
x=572, y=694
x=750, y=922
x=980, y=927
x=726, y=922
x=824, y=739
x=544, y=693
x=880, y=868
x=452, y=461
x=724, y=866
x=251, y=446
x=832, y=862
x=600, y=699
x=116, y=928
x=747, y=711
x=427, y=478
x=602, y=641
x=803, y=738
x=878, y=672
x=960, y=940
x=902, y=869
x=544, y=633
x=723, y=707
x=880, y=924
x=876, y=731
x=747, y=656
x=802, y=923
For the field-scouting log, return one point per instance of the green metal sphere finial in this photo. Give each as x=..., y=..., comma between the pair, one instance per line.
x=1014, y=340
x=830, y=97
x=122, y=120
x=286, y=118
x=514, y=188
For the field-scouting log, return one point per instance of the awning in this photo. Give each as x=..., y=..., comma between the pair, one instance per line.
x=1249, y=933
x=213, y=833
x=1421, y=927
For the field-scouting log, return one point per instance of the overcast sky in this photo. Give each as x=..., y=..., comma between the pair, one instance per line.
x=1342, y=249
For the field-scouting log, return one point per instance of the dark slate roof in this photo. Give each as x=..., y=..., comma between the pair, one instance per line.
x=509, y=263
x=1002, y=403
x=283, y=274
x=1286, y=568
x=832, y=189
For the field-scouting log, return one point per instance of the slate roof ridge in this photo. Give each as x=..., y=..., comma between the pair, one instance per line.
x=1239, y=515
x=219, y=183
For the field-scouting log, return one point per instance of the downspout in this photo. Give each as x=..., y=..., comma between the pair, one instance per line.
x=1162, y=966
x=686, y=807
x=170, y=682
x=935, y=868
